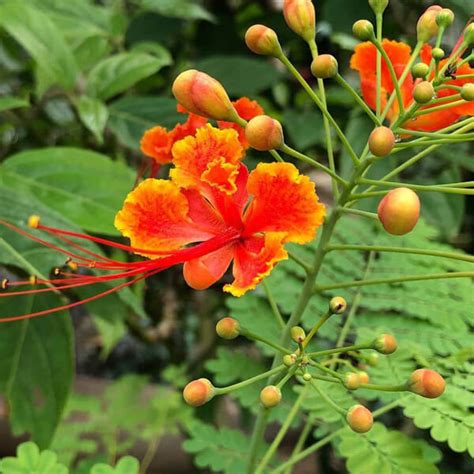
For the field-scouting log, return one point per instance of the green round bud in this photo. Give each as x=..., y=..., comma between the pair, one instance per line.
x=420, y=70
x=438, y=54
x=363, y=30
x=270, y=396
x=467, y=91
x=337, y=305
x=378, y=6
x=289, y=360
x=469, y=35
x=228, y=328
x=423, y=92
x=307, y=377
x=297, y=334
x=445, y=18
x=324, y=66
x=373, y=359
x=385, y=344
x=381, y=141
x=352, y=381
x=426, y=27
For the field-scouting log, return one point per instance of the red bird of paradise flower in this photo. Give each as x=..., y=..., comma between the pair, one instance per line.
x=211, y=212
x=364, y=61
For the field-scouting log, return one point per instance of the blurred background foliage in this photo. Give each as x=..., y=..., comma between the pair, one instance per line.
x=80, y=81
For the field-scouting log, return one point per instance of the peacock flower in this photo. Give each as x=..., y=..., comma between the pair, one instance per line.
x=212, y=213
x=364, y=61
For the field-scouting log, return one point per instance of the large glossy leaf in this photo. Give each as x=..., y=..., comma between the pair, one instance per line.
x=93, y=114
x=120, y=72
x=42, y=39
x=187, y=9
x=86, y=187
x=8, y=102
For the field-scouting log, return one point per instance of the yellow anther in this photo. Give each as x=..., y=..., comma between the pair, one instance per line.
x=56, y=271
x=4, y=284
x=33, y=221
x=72, y=265
x=33, y=280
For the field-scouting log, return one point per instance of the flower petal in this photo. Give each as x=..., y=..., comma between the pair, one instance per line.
x=254, y=259
x=155, y=216
x=156, y=143
x=284, y=201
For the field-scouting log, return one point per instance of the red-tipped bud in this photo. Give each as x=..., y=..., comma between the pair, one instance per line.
x=203, y=95
x=198, y=392
x=427, y=27
x=363, y=30
x=228, y=328
x=423, y=92
x=300, y=16
x=262, y=40
x=427, y=383
x=420, y=70
x=378, y=6
x=468, y=36
x=324, y=66
x=297, y=334
x=381, y=141
x=337, y=305
x=360, y=419
x=399, y=211
x=437, y=54
x=445, y=18
x=352, y=381
x=467, y=91
x=385, y=344
x=264, y=133
x=363, y=376
x=289, y=359
x=373, y=359
x=197, y=275
x=270, y=396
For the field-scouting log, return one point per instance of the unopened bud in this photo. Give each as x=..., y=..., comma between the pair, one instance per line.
x=467, y=91
x=427, y=383
x=445, y=18
x=228, y=328
x=378, y=6
x=264, y=133
x=324, y=66
x=297, y=334
x=437, y=54
x=270, y=396
x=373, y=359
x=300, y=16
x=363, y=30
x=360, y=419
x=399, y=211
x=263, y=40
x=468, y=37
x=33, y=221
x=385, y=344
x=307, y=377
x=381, y=141
x=337, y=305
x=420, y=70
x=423, y=92
x=352, y=381
x=363, y=376
x=198, y=392
x=427, y=27
x=203, y=95
x=289, y=359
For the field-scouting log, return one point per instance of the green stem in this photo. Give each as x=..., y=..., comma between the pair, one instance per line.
x=301, y=440
x=439, y=108
x=276, y=155
x=385, y=388
x=379, y=32
x=306, y=266
x=326, y=369
x=417, y=187
x=273, y=305
x=327, y=398
x=315, y=328
x=358, y=212
x=338, y=350
x=256, y=337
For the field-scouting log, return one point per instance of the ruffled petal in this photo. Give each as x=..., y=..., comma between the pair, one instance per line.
x=156, y=143
x=155, y=217
x=254, y=259
x=283, y=201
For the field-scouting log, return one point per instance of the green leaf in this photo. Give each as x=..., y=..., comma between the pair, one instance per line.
x=118, y=73
x=94, y=115
x=8, y=102
x=126, y=465
x=131, y=116
x=240, y=75
x=384, y=451
x=304, y=127
x=186, y=9
x=36, y=32
x=61, y=178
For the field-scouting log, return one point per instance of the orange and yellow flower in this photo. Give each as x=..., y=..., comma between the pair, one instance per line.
x=364, y=61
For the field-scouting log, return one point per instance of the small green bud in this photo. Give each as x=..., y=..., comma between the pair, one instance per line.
x=337, y=305
x=270, y=396
x=307, y=377
x=289, y=359
x=324, y=66
x=381, y=141
x=373, y=359
x=469, y=35
x=420, y=70
x=297, y=334
x=378, y=6
x=385, y=344
x=438, y=54
x=352, y=381
x=423, y=92
x=363, y=30
x=445, y=18
x=426, y=27
x=228, y=328
x=467, y=91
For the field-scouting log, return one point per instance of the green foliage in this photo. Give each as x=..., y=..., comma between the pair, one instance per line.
x=10, y=102
x=126, y=465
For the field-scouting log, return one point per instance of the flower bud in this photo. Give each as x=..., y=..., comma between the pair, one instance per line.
x=307, y=377
x=467, y=91
x=427, y=383
x=427, y=27
x=378, y=6
x=270, y=396
x=468, y=37
x=363, y=376
x=381, y=141
x=373, y=359
x=262, y=40
x=445, y=18
x=203, y=95
x=420, y=70
x=289, y=359
x=352, y=381
x=399, y=211
x=297, y=334
x=228, y=328
x=385, y=344
x=198, y=392
x=300, y=16
x=363, y=30
x=437, y=54
x=423, y=92
x=337, y=305
x=360, y=419
x=264, y=133
x=324, y=66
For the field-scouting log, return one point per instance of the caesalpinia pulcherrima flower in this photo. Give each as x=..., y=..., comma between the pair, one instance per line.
x=364, y=61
